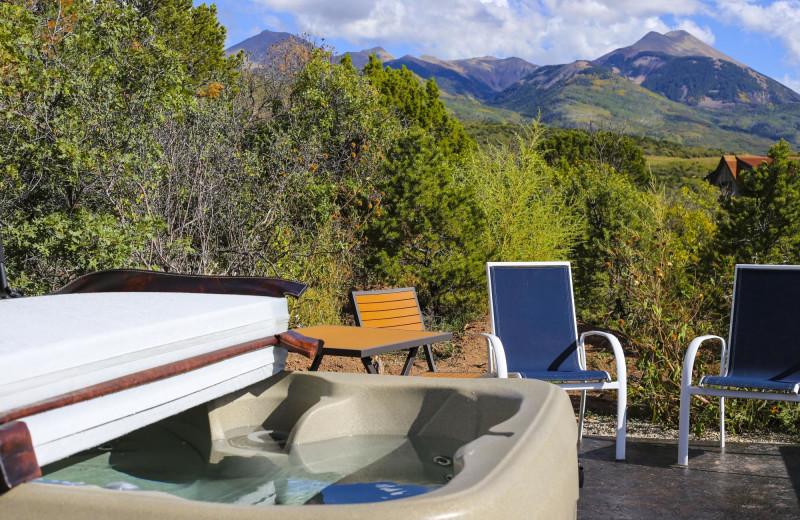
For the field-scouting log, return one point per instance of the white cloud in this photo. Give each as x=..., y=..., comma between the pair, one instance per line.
x=541, y=31
x=612, y=10
x=791, y=82
x=779, y=19
x=704, y=33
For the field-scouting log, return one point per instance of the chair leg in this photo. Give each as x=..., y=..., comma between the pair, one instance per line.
x=429, y=357
x=683, y=428
x=581, y=415
x=721, y=422
x=622, y=419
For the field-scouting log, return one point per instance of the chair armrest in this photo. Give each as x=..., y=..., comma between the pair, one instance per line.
x=496, y=350
x=619, y=355
x=691, y=352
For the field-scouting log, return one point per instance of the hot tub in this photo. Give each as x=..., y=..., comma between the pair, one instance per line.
x=447, y=448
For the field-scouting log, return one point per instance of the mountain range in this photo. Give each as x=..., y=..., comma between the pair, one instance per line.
x=668, y=86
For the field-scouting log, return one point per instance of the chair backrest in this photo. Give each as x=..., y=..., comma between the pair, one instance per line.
x=388, y=309
x=764, y=340
x=533, y=314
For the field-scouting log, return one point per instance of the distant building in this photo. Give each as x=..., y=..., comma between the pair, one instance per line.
x=726, y=176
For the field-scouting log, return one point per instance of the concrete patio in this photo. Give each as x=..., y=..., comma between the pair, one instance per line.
x=741, y=481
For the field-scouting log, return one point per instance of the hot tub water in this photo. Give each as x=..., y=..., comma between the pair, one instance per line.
x=255, y=466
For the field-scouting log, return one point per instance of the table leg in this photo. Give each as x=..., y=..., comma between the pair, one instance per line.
x=412, y=353
x=315, y=364
x=367, y=361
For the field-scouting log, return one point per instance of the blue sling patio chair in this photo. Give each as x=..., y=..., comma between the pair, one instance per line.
x=533, y=322
x=762, y=357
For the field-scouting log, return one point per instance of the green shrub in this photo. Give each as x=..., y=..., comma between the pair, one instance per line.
x=661, y=298
x=529, y=216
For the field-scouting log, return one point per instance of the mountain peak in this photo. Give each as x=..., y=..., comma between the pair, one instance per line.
x=674, y=43
x=380, y=53
x=361, y=58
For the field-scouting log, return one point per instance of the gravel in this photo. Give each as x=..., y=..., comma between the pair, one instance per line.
x=604, y=426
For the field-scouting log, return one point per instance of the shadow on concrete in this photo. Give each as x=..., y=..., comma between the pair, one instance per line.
x=740, y=481
x=791, y=458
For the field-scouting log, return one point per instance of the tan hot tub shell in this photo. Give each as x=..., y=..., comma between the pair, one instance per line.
x=519, y=459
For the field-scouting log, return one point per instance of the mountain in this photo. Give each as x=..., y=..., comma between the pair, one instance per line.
x=258, y=46
x=474, y=78
x=488, y=74
x=682, y=68
x=581, y=94
x=670, y=86
x=674, y=43
x=478, y=78
x=361, y=58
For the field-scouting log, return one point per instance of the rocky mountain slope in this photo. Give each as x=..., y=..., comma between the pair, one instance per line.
x=682, y=68
x=478, y=78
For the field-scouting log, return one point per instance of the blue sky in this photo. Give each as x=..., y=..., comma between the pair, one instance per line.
x=764, y=35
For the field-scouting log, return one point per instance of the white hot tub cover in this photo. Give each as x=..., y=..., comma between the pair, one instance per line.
x=56, y=344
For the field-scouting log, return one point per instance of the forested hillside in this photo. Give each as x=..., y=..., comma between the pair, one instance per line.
x=694, y=80
x=129, y=139
x=580, y=95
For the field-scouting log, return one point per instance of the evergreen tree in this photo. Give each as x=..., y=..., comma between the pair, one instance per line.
x=599, y=149
x=195, y=34
x=430, y=232
x=762, y=225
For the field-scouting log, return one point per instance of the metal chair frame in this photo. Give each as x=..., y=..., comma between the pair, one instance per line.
x=715, y=390
x=620, y=385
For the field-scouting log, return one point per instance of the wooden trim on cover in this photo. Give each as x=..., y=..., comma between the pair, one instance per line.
x=299, y=344
x=134, y=280
x=293, y=342
x=18, y=462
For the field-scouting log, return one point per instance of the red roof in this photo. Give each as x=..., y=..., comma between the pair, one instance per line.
x=738, y=163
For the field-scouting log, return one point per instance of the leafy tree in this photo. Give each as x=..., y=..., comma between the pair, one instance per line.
x=84, y=86
x=610, y=206
x=321, y=143
x=660, y=297
x=492, y=132
x=96, y=99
